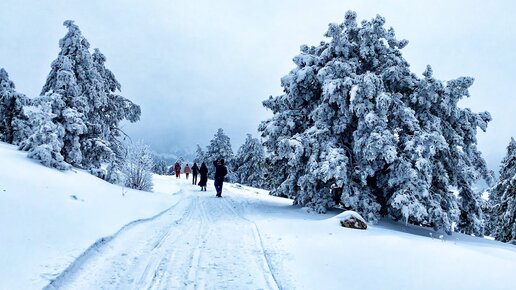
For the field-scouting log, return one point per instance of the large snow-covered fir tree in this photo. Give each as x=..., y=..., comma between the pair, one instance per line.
x=220, y=147
x=88, y=107
x=355, y=126
x=12, y=118
x=504, y=196
x=249, y=163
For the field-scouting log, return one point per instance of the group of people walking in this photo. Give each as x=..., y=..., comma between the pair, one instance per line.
x=220, y=172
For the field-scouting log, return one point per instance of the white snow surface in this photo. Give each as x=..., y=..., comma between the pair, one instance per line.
x=182, y=238
x=48, y=217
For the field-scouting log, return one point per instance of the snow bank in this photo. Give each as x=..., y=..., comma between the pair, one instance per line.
x=48, y=217
x=308, y=251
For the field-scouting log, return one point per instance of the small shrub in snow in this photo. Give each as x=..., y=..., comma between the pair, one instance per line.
x=137, y=167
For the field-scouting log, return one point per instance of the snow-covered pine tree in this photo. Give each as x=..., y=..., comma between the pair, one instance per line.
x=220, y=147
x=504, y=192
x=45, y=142
x=160, y=167
x=489, y=212
x=356, y=127
x=88, y=92
x=249, y=163
x=199, y=155
x=270, y=175
x=137, y=166
x=13, y=127
x=107, y=115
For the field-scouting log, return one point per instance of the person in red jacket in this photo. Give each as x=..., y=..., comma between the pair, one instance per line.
x=177, y=168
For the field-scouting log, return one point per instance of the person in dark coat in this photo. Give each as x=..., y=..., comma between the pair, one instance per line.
x=195, y=171
x=220, y=172
x=204, y=176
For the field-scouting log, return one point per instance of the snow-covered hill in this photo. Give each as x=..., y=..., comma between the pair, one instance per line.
x=48, y=217
x=245, y=240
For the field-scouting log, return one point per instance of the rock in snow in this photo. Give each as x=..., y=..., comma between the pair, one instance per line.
x=351, y=219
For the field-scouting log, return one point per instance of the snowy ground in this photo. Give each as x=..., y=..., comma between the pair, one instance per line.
x=245, y=240
x=48, y=218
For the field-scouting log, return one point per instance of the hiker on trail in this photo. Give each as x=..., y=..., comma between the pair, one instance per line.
x=204, y=176
x=220, y=173
x=187, y=171
x=177, y=168
x=195, y=171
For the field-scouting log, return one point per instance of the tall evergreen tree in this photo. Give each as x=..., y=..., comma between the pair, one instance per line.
x=12, y=118
x=220, y=147
x=355, y=126
x=199, y=155
x=504, y=194
x=249, y=163
x=89, y=109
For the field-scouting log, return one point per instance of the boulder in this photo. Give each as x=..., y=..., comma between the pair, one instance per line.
x=351, y=219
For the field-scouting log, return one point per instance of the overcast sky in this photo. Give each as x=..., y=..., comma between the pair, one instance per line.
x=195, y=66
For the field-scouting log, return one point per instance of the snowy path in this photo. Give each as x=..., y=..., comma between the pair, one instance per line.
x=200, y=243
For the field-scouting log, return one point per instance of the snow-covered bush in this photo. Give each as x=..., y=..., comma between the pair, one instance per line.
x=137, y=167
x=13, y=127
x=355, y=126
x=249, y=163
x=503, y=197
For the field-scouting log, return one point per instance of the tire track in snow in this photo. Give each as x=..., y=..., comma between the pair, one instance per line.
x=154, y=270
x=57, y=282
x=266, y=263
